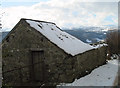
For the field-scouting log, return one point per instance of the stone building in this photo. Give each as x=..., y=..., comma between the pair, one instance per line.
x=38, y=52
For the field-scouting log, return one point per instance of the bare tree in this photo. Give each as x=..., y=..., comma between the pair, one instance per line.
x=113, y=39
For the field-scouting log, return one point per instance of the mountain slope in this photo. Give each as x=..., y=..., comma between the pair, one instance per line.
x=87, y=36
x=2, y=35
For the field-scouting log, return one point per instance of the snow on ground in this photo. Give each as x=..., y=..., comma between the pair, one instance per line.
x=100, y=45
x=101, y=76
x=65, y=41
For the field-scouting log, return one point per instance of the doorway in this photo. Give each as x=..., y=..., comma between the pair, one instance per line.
x=37, y=66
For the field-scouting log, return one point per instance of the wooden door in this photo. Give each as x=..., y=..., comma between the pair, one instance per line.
x=38, y=65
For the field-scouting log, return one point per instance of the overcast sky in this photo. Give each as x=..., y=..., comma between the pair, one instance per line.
x=65, y=13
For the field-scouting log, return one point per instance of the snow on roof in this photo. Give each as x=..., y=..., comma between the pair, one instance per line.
x=65, y=41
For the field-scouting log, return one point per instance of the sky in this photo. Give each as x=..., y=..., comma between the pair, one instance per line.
x=65, y=13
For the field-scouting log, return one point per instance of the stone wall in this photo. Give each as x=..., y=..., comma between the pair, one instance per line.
x=75, y=67
x=60, y=67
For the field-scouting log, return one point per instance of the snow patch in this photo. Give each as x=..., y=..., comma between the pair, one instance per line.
x=100, y=45
x=89, y=41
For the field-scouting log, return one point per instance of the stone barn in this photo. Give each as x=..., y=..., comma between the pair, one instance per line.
x=37, y=52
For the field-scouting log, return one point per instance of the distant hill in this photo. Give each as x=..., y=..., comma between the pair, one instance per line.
x=2, y=35
x=87, y=35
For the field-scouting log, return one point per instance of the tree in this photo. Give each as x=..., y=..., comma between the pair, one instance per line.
x=113, y=39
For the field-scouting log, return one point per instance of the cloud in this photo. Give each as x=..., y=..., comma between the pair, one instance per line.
x=62, y=0
x=65, y=13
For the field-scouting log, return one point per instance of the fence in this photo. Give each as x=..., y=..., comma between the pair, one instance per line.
x=19, y=70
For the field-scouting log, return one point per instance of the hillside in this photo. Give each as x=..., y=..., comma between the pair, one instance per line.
x=2, y=35
x=87, y=36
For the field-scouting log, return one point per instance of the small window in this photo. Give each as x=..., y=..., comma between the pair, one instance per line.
x=42, y=39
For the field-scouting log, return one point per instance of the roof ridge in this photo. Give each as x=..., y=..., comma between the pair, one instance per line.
x=37, y=20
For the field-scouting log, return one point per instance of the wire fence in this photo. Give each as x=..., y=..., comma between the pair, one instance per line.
x=20, y=68
x=19, y=72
